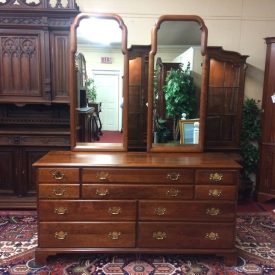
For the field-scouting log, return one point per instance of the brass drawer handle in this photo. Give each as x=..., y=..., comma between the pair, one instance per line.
x=173, y=176
x=213, y=211
x=216, y=176
x=212, y=236
x=61, y=235
x=159, y=235
x=102, y=192
x=59, y=192
x=102, y=176
x=115, y=235
x=57, y=175
x=160, y=211
x=61, y=210
x=215, y=193
x=173, y=192
x=114, y=210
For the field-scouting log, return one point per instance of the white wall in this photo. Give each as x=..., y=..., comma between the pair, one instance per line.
x=236, y=25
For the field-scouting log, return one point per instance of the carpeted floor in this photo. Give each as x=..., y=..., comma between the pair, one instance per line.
x=255, y=242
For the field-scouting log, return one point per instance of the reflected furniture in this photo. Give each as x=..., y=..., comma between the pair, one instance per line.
x=34, y=93
x=266, y=177
x=97, y=110
x=225, y=95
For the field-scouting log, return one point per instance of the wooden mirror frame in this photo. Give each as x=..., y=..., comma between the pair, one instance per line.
x=154, y=34
x=73, y=84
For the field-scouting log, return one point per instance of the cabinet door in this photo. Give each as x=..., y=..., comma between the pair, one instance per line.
x=24, y=66
x=8, y=171
x=59, y=43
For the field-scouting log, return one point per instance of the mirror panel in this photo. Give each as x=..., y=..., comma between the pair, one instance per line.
x=177, y=85
x=99, y=83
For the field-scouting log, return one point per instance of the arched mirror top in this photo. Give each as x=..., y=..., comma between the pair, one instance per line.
x=99, y=83
x=177, y=84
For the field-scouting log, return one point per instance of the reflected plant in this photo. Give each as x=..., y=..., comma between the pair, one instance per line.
x=91, y=89
x=180, y=96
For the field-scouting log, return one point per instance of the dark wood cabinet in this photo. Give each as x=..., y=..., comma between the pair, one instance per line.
x=138, y=90
x=266, y=186
x=226, y=79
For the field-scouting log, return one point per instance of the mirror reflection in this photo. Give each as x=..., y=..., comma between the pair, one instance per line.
x=99, y=69
x=177, y=84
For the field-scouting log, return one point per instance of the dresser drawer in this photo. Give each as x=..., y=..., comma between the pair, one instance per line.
x=215, y=192
x=186, y=235
x=58, y=175
x=186, y=211
x=138, y=175
x=81, y=234
x=217, y=177
x=80, y=210
x=58, y=191
x=125, y=191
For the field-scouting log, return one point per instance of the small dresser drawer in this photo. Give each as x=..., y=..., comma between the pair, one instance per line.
x=81, y=234
x=58, y=191
x=125, y=191
x=58, y=175
x=217, y=177
x=186, y=235
x=159, y=176
x=81, y=210
x=186, y=211
x=215, y=192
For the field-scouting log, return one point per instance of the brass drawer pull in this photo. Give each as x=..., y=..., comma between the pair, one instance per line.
x=216, y=176
x=102, y=176
x=61, y=235
x=173, y=176
x=213, y=211
x=115, y=235
x=114, y=210
x=173, y=192
x=212, y=236
x=61, y=210
x=57, y=175
x=159, y=235
x=215, y=193
x=160, y=211
x=102, y=192
x=59, y=192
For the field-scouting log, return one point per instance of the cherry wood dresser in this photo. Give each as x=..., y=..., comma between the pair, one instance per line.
x=136, y=202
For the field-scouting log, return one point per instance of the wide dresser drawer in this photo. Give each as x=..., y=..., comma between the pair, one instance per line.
x=58, y=191
x=124, y=191
x=81, y=210
x=186, y=235
x=216, y=177
x=58, y=175
x=138, y=175
x=186, y=211
x=81, y=234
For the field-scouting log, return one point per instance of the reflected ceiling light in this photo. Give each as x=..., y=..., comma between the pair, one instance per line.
x=102, y=31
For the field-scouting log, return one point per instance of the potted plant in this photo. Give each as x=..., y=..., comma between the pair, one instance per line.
x=90, y=90
x=180, y=96
x=250, y=134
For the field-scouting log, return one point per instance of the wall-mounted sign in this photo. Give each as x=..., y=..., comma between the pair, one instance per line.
x=106, y=60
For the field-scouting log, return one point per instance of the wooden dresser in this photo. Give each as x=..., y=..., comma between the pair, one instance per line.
x=136, y=202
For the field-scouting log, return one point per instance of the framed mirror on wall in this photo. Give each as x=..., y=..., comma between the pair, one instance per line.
x=99, y=83
x=177, y=84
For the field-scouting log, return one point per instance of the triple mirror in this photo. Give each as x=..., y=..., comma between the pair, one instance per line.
x=177, y=85
x=98, y=83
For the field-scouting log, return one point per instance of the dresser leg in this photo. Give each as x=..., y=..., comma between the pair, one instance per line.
x=230, y=259
x=41, y=258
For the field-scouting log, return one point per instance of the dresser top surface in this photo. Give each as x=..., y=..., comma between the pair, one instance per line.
x=137, y=160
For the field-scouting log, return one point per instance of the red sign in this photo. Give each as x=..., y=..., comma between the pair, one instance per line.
x=106, y=60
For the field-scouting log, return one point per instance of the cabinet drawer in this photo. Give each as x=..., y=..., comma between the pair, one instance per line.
x=80, y=210
x=184, y=211
x=186, y=235
x=81, y=234
x=215, y=192
x=58, y=175
x=138, y=175
x=125, y=191
x=217, y=177
x=58, y=191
